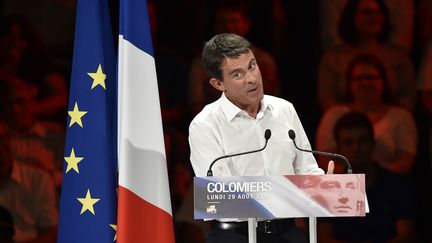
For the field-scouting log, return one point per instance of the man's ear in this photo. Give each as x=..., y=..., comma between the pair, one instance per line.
x=217, y=84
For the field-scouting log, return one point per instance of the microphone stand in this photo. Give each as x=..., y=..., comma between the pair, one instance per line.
x=291, y=134
x=252, y=222
x=313, y=220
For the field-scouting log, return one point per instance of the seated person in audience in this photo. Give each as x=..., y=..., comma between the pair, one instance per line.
x=22, y=56
x=394, y=127
x=401, y=16
x=33, y=141
x=29, y=195
x=390, y=196
x=364, y=28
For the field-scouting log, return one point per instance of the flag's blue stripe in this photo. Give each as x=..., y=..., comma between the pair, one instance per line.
x=132, y=13
x=96, y=141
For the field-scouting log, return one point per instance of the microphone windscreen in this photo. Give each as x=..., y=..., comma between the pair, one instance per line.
x=291, y=134
x=267, y=134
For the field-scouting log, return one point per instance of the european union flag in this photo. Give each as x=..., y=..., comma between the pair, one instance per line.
x=88, y=204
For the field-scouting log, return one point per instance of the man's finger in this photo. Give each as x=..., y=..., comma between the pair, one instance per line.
x=330, y=167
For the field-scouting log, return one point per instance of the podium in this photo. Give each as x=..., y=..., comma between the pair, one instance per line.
x=255, y=198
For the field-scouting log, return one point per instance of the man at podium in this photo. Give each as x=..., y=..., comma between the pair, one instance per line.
x=236, y=123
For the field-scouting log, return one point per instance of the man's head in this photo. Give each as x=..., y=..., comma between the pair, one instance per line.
x=232, y=17
x=218, y=48
x=19, y=104
x=354, y=136
x=233, y=69
x=341, y=195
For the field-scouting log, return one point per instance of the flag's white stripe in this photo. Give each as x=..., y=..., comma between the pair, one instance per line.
x=141, y=147
x=140, y=99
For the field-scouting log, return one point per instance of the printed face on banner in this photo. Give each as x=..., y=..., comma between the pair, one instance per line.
x=340, y=195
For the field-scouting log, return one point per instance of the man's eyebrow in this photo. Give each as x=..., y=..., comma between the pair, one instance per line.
x=324, y=183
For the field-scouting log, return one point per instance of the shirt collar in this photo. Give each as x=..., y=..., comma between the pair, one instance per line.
x=231, y=110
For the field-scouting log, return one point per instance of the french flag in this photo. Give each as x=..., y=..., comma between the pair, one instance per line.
x=144, y=206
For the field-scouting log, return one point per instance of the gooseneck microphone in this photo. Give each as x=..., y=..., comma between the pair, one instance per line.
x=267, y=135
x=292, y=136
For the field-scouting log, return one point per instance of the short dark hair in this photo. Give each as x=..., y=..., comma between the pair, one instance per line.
x=348, y=30
x=376, y=63
x=353, y=120
x=221, y=46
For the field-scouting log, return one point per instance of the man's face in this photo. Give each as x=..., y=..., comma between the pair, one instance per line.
x=242, y=81
x=366, y=84
x=369, y=18
x=229, y=21
x=340, y=194
x=22, y=108
x=357, y=145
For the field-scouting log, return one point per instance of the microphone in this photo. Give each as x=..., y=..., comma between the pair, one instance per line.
x=267, y=135
x=292, y=136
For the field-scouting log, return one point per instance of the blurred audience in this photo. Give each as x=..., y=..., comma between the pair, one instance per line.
x=389, y=195
x=230, y=17
x=22, y=57
x=29, y=195
x=364, y=27
x=33, y=141
x=401, y=15
x=394, y=127
x=172, y=75
x=424, y=22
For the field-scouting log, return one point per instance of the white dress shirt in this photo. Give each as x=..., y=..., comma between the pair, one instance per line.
x=222, y=128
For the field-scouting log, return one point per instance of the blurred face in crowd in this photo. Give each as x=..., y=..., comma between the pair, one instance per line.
x=231, y=21
x=22, y=106
x=357, y=145
x=366, y=84
x=369, y=19
x=13, y=44
x=242, y=81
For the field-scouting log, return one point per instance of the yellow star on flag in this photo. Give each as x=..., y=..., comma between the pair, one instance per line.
x=88, y=202
x=76, y=115
x=114, y=226
x=98, y=78
x=73, y=161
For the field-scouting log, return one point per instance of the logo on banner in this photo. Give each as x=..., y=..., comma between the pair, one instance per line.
x=211, y=209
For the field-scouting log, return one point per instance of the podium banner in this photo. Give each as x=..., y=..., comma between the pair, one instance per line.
x=279, y=196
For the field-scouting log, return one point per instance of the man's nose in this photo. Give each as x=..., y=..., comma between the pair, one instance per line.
x=250, y=77
x=343, y=200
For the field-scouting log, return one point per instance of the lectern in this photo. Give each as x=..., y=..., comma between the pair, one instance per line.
x=255, y=198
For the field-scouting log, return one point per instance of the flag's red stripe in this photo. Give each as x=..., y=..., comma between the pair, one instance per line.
x=142, y=222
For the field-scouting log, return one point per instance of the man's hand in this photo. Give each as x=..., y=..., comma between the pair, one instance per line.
x=330, y=167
